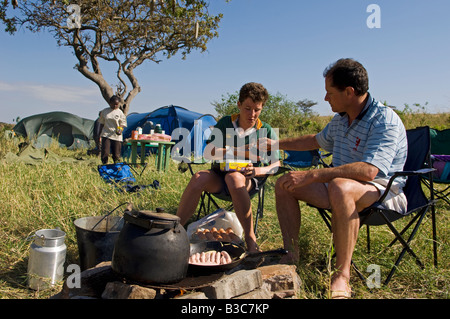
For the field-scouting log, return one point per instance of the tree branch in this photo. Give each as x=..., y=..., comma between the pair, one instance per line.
x=125, y=32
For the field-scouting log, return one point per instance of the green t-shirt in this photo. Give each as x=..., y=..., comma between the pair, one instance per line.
x=225, y=134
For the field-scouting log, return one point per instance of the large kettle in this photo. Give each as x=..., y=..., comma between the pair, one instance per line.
x=152, y=247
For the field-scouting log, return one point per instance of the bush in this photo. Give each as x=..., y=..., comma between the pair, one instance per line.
x=279, y=112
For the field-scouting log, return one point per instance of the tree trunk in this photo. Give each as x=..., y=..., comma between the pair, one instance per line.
x=132, y=94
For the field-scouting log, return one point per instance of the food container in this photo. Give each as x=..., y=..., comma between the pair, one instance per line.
x=215, y=224
x=233, y=166
x=134, y=135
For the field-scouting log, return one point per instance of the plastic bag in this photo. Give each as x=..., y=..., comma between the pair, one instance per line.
x=219, y=219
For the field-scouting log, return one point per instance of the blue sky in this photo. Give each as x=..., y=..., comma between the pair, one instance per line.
x=284, y=44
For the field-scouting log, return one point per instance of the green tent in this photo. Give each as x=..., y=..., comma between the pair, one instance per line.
x=69, y=130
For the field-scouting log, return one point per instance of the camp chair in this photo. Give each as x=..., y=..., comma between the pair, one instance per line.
x=304, y=159
x=199, y=136
x=208, y=203
x=440, y=160
x=418, y=203
x=294, y=159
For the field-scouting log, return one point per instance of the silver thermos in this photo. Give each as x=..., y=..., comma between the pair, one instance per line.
x=46, y=259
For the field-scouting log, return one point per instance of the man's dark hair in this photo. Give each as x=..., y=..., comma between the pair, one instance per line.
x=257, y=92
x=348, y=72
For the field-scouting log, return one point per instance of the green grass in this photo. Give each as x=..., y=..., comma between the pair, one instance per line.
x=51, y=195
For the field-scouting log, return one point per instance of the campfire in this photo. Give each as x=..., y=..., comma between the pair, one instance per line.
x=151, y=256
x=252, y=279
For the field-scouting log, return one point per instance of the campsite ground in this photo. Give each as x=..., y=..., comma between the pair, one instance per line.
x=53, y=194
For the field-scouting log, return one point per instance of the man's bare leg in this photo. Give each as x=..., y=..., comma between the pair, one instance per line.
x=289, y=214
x=347, y=198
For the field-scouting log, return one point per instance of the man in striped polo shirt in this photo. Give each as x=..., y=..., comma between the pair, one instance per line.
x=368, y=142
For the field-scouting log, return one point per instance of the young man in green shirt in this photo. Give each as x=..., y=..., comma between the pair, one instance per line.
x=234, y=136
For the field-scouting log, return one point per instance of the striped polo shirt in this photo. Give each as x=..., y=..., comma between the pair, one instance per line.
x=377, y=136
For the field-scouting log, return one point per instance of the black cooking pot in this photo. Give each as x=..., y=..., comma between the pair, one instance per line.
x=152, y=247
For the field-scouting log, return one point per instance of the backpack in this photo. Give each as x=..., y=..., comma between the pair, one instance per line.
x=116, y=173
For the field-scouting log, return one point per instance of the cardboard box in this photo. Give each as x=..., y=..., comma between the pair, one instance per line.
x=233, y=166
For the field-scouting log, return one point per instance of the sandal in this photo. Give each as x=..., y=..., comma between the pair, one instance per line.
x=341, y=294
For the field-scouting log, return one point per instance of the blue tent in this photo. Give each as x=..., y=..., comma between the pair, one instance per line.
x=170, y=118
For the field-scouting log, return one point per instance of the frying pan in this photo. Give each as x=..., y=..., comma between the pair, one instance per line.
x=236, y=252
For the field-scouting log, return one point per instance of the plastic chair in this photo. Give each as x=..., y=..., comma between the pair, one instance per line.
x=418, y=203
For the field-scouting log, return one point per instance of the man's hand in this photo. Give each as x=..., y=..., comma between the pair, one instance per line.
x=266, y=144
x=295, y=179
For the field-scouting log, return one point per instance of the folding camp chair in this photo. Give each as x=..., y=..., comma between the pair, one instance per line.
x=418, y=203
x=199, y=137
x=208, y=204
x=294, y=159
x=304, y=159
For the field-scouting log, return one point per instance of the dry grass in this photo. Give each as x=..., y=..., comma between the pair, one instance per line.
x=52, y=195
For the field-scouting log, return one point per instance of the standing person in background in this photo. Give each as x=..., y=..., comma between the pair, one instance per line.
x=112, y=121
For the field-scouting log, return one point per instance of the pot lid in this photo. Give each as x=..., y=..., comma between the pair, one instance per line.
x=155, y=215
x=151, y=219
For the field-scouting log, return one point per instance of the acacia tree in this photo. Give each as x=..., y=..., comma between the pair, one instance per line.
x=125, y=32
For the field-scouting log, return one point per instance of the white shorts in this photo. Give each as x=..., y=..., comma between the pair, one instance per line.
x=395, y=199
